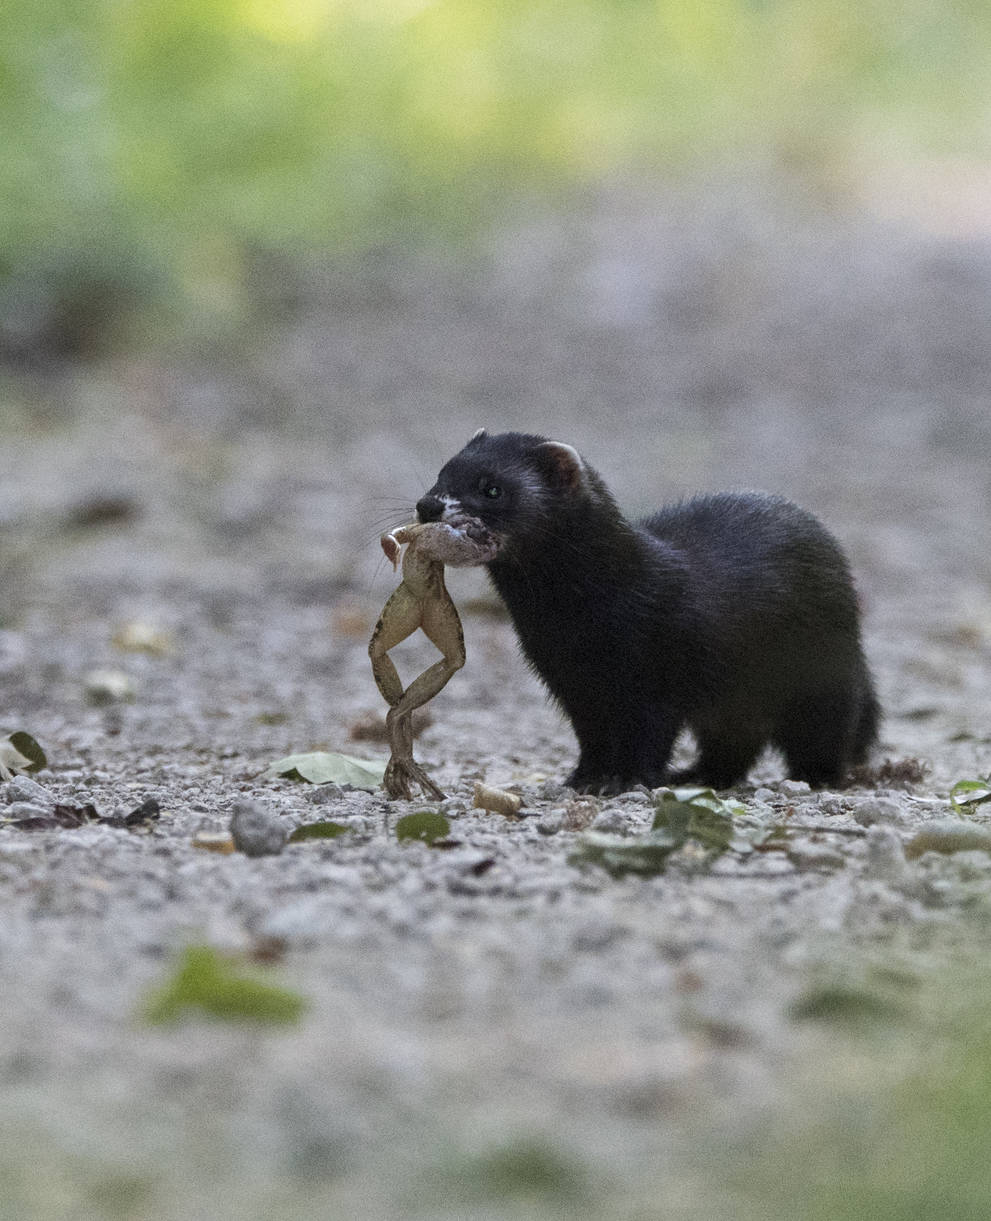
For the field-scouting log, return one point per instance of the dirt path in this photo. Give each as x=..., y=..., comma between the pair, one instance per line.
x=490, y=1031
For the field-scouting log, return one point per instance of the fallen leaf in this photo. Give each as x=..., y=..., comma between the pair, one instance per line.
x=318, y=830
x=21, y=753
x=328, y=767
x=645, y=855
x=206, y=981
x=425, y=825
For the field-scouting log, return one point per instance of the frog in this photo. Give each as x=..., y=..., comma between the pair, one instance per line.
x=422, y=602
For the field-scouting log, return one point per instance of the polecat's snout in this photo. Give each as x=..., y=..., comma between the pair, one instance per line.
x=430, y=508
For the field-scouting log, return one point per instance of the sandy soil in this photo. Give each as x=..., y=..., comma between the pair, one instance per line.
x=490, y=1030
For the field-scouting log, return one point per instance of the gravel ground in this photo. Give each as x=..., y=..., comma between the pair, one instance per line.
x=490, y=1030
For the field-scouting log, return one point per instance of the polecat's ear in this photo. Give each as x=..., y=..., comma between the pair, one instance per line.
x=564, y=464
x=477, y=435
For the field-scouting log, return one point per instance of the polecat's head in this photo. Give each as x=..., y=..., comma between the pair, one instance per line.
x=506, y=481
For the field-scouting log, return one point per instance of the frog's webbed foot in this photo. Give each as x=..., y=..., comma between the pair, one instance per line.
x=402, y=773
x=402, y=770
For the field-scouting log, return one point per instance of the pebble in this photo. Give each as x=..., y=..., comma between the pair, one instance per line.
x=551, y=822
x=551, y=790
x=108, y=686
x=793, y=788
x=873, y=810
x=256, y=830
x=638, y=796
x=452, y=807
x=27, y=809
x=21, y=788
x=614, y=821
x=834, y=806
x=322, y=794
x=885, y=858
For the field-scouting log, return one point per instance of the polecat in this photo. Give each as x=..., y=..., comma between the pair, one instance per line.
x=734, y=614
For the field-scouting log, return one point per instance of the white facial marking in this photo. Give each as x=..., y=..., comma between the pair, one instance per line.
x=452, y=508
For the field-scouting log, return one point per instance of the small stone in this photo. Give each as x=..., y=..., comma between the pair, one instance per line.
x=551, y=822
x=794, y=788
x=21, y=788
x=613, y=821
x=765, y=795
x=256, y=830
x=551, y=790
x=580, y=813
x=108, y=687
x=323, y=794
x=451, y=807
x=28, y=809
x=835, y=807
x=873, y=810
x=885, y=856
x=641, y=795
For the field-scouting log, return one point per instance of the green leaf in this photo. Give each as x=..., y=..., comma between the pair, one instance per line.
x=696, y=814
x=21, y=752
x=206, y=981
x=845, y=1003
x=328, y=767
x=644, y=855
x=29, y=748
x=318, y=830
x=683, y=816
x=968, y=804
x=425, y=825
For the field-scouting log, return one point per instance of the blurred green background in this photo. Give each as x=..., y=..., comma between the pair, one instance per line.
x=156, y=153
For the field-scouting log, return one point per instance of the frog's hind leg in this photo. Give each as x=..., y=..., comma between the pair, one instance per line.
x=442, y=627
x=400, y=618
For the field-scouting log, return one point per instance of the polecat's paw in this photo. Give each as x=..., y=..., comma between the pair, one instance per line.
x=612, y=785
x=704, y=778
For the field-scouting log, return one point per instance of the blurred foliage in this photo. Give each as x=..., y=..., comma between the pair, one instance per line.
x=206, y=982
x=152, y=150
x=913, y=1150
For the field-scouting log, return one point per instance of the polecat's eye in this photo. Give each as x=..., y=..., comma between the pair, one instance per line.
x=491, y=491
